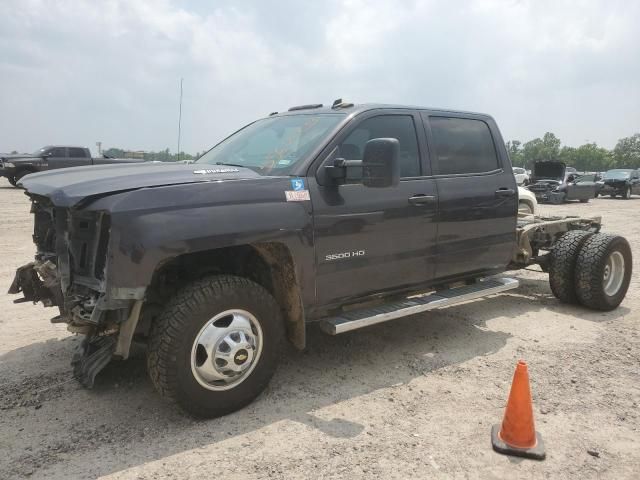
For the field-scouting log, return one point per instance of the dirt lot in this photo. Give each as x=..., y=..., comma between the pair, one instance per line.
x=413, y=398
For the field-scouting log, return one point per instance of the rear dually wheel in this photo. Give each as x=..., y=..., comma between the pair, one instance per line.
x=603, y=271
x=562, y=264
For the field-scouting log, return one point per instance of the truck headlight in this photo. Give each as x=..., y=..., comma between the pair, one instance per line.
x=8, y=165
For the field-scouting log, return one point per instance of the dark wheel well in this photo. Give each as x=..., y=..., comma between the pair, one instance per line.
x=19, y=173
x=268, y=264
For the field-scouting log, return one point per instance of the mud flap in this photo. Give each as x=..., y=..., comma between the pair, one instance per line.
x=92, y=355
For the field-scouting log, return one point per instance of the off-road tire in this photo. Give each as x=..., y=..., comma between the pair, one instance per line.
x=175, y=330
x=12, y=181
x=584, y=200
x=562, y=265
x=590, y=268
x=613, y=195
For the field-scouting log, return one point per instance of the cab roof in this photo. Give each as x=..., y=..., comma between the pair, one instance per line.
x=350, y=108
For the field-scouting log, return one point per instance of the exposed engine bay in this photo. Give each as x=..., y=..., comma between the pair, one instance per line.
x=69, y=272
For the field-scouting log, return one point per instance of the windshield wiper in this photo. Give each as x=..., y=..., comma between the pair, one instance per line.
x=231, y=164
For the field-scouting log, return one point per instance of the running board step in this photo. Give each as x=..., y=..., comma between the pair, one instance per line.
x=363, y=318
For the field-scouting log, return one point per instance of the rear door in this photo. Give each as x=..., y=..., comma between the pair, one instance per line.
x=77, y=157
x=374, y=240
x=477, y=195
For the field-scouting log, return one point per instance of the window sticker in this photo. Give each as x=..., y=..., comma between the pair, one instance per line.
x=297, y=195
x=297, y=184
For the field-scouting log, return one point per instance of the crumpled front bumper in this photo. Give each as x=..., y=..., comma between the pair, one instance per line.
x=38, y=282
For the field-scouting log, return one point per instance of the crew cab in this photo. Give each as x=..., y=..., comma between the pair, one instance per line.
x=16, y=166
x=554, y=182
x=346, y=216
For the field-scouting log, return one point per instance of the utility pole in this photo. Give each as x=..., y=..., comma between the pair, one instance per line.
x=180, y=119
x=99, y=145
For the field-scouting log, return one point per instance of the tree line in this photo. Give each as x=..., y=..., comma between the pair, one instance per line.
x=585, y=158
x=160, y=156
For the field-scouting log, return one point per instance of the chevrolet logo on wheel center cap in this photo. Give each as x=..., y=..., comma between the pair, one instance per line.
x=240, y=357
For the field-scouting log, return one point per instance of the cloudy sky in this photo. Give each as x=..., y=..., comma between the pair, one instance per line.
x=78, y=72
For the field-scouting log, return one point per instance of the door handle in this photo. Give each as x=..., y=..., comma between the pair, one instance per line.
x=505, y=192
x=422, y=199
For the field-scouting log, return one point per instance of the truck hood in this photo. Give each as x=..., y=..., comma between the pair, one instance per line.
x=16, y=156
x=68, y=186
x=548, y=171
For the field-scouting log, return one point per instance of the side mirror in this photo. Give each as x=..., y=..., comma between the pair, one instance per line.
x=381, y=163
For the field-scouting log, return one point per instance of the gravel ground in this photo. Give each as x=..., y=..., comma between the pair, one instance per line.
x=414, y=398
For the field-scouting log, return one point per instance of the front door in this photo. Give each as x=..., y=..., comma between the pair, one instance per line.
x=57, y=158
x=478, y=199
x=374, y=240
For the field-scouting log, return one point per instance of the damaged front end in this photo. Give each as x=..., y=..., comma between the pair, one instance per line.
x=69, y=272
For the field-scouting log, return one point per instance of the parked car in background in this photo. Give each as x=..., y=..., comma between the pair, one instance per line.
x=551, y=183
x=589, y=178
x=16, y=166
x=522, y=177
x=527, y=202
x=621, y=181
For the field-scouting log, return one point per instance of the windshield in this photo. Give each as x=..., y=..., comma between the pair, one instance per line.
x=273, y=146
x=39, y=151
x=617, y=174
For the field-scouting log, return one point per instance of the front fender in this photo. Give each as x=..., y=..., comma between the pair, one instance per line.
x=151, y=226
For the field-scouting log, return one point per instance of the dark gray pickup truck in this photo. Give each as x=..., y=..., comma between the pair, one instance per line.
x=345, y=216
x=16, y=166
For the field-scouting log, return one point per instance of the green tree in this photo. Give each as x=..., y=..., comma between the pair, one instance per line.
x=514, y=148
x=545, y=148
x=626, y=153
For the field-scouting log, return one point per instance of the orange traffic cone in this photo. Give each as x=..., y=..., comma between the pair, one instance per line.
x=517, y=435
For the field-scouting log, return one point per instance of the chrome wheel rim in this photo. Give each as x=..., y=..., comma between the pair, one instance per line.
x=226, y=350
x=613, y=274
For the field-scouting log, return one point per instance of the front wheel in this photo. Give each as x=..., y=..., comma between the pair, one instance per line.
x=603, y=271
x=216, y=345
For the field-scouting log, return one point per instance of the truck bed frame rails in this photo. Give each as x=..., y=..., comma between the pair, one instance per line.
x=541, y=233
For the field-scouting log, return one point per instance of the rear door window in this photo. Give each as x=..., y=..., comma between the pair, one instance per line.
x=76, y=152
x=462, y=146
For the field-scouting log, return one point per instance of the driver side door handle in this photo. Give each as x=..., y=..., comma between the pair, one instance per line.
x=505, y=192
x=422, y=199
